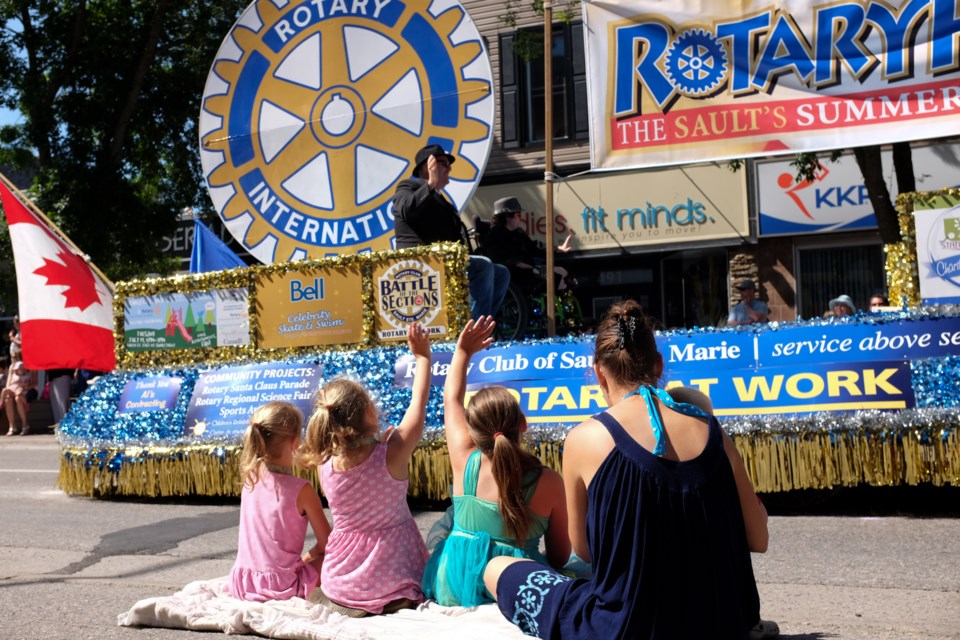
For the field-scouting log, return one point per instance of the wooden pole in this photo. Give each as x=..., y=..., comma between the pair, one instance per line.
x=548, y=160
x=27, y=202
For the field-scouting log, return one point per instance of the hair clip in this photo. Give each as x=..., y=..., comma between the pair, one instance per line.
x=625, y=328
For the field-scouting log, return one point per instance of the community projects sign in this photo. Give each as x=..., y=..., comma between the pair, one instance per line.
x=224, y=399
x=695, y=80
x=793, y=370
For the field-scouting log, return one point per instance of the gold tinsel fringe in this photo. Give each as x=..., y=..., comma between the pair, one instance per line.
x=774, y=461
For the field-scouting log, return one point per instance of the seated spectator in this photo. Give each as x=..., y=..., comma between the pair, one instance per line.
x=660, y=503
x=749, y=310
x=508, y=244
x=19, y=392
x=423, y=215
x=842, y=306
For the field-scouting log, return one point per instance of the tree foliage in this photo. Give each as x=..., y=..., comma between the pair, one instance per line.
x=869, y=161
x=110, y=95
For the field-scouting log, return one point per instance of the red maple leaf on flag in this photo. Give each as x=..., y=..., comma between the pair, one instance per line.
x=73, y=273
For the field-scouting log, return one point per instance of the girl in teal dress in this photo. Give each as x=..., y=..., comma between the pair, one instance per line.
x=504, y=500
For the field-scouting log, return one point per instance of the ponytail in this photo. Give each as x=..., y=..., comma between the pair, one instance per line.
x=271, y=426
x=496, y=422
x=508, y=472
x=337, y=422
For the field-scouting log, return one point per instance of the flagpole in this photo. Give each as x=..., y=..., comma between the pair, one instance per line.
x=63, y=237
x=548, y=161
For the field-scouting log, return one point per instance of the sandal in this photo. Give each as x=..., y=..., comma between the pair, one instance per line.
x=764, y=630
x=12, y=432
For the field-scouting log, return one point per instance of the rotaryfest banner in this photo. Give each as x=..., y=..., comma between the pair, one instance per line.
x=216, y=318
x=791, y=370
x=305, y=307
x=224, y=399
x=938, y=251
x=696, y=80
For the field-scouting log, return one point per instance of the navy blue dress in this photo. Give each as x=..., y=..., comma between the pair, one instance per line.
x=668, y=548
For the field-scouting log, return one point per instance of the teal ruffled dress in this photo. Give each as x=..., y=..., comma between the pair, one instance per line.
x=454, y=573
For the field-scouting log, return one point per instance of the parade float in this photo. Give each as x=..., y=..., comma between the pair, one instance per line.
x=311, y=115
x=869, y=399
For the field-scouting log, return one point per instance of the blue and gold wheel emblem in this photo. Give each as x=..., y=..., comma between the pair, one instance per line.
x=313, y=112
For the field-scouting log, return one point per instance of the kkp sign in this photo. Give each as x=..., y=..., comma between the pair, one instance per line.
x=699, y=80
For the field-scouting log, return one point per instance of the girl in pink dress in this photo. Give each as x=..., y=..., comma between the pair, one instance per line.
x=275, y=507
x=375, y=555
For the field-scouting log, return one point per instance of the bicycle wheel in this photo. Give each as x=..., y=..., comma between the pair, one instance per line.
x=512, y=315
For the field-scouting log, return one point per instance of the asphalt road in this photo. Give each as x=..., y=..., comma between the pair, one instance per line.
x=882, y=564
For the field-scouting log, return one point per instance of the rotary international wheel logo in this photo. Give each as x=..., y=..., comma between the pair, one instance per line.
x=696, y=63
x=313, y=112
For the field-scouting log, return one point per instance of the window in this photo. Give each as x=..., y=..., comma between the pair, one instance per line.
x=827, y=272
x=522, y=86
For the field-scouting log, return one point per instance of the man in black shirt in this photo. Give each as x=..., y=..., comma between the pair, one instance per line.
x=422, y=216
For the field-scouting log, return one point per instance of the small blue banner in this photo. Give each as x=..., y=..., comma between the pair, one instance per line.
x=223, y=400
x=153, y=393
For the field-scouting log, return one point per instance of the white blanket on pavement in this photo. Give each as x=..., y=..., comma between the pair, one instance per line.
x=205, y=606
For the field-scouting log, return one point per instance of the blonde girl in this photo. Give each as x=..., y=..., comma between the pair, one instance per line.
x=275, y=507
x=375, y=554
x=504, y=500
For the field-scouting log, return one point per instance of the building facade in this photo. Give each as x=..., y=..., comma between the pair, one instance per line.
x=676, y=239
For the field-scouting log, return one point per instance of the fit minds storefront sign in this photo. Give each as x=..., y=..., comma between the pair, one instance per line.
x=653, y=208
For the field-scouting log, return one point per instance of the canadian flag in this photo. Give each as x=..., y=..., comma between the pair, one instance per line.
x=66, y=310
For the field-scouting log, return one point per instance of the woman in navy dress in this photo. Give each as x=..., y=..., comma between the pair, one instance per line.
x=661, y=505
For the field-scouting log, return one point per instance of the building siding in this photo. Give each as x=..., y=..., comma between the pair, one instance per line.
x=505, y=163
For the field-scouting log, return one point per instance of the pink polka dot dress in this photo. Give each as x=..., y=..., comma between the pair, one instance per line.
x=375, y=554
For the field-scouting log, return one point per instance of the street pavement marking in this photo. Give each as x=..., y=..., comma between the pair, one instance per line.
x=29, y=470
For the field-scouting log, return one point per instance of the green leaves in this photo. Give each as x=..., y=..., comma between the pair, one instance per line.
x=110, y=94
